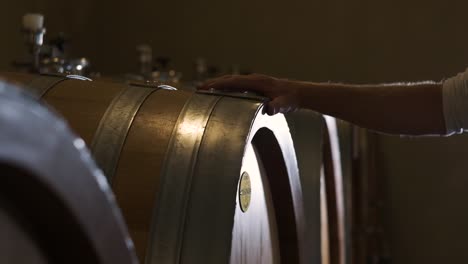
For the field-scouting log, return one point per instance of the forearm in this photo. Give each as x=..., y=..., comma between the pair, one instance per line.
x=411, y=109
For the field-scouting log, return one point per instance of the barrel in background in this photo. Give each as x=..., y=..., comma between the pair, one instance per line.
x=49, y=182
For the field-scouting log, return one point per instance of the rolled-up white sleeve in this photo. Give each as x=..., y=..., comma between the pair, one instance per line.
x=455, y=102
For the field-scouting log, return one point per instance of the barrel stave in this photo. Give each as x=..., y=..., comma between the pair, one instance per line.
x=137, y=180
x=82, y=104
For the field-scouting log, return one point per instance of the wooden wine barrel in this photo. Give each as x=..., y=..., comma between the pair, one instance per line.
x=200, y=177
x=55, y=205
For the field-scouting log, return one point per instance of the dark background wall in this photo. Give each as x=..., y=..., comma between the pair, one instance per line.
x=426, y=212
x=358, y=40
x=351, y=41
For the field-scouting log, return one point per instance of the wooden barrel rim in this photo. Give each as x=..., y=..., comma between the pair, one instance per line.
x=281, y=188
x=334, y=192
x=306, y=129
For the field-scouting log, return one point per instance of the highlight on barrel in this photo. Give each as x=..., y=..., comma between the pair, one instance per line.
x=201, y=177
x=55, y=205
x=307, y=129
x=333, y=201
x=319, y=157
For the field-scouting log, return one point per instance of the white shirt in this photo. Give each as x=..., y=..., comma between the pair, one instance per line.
x=455, y=102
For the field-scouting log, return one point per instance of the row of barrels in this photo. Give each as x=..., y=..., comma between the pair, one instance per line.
x=199, y=177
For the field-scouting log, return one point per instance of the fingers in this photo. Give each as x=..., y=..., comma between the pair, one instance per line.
x=277, y=105
x=234, y=83
x=216, y=82
x=239, y=83
x=282, y=100
x=281, y=104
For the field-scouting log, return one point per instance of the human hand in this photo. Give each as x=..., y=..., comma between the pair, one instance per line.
x=283, y=96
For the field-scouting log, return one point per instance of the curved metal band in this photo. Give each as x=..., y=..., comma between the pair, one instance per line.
x=46, y=81
x=176, y=178
x=42, y=84
x=110, y=136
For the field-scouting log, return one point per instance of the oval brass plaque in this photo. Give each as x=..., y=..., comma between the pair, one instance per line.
x=244, y=192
